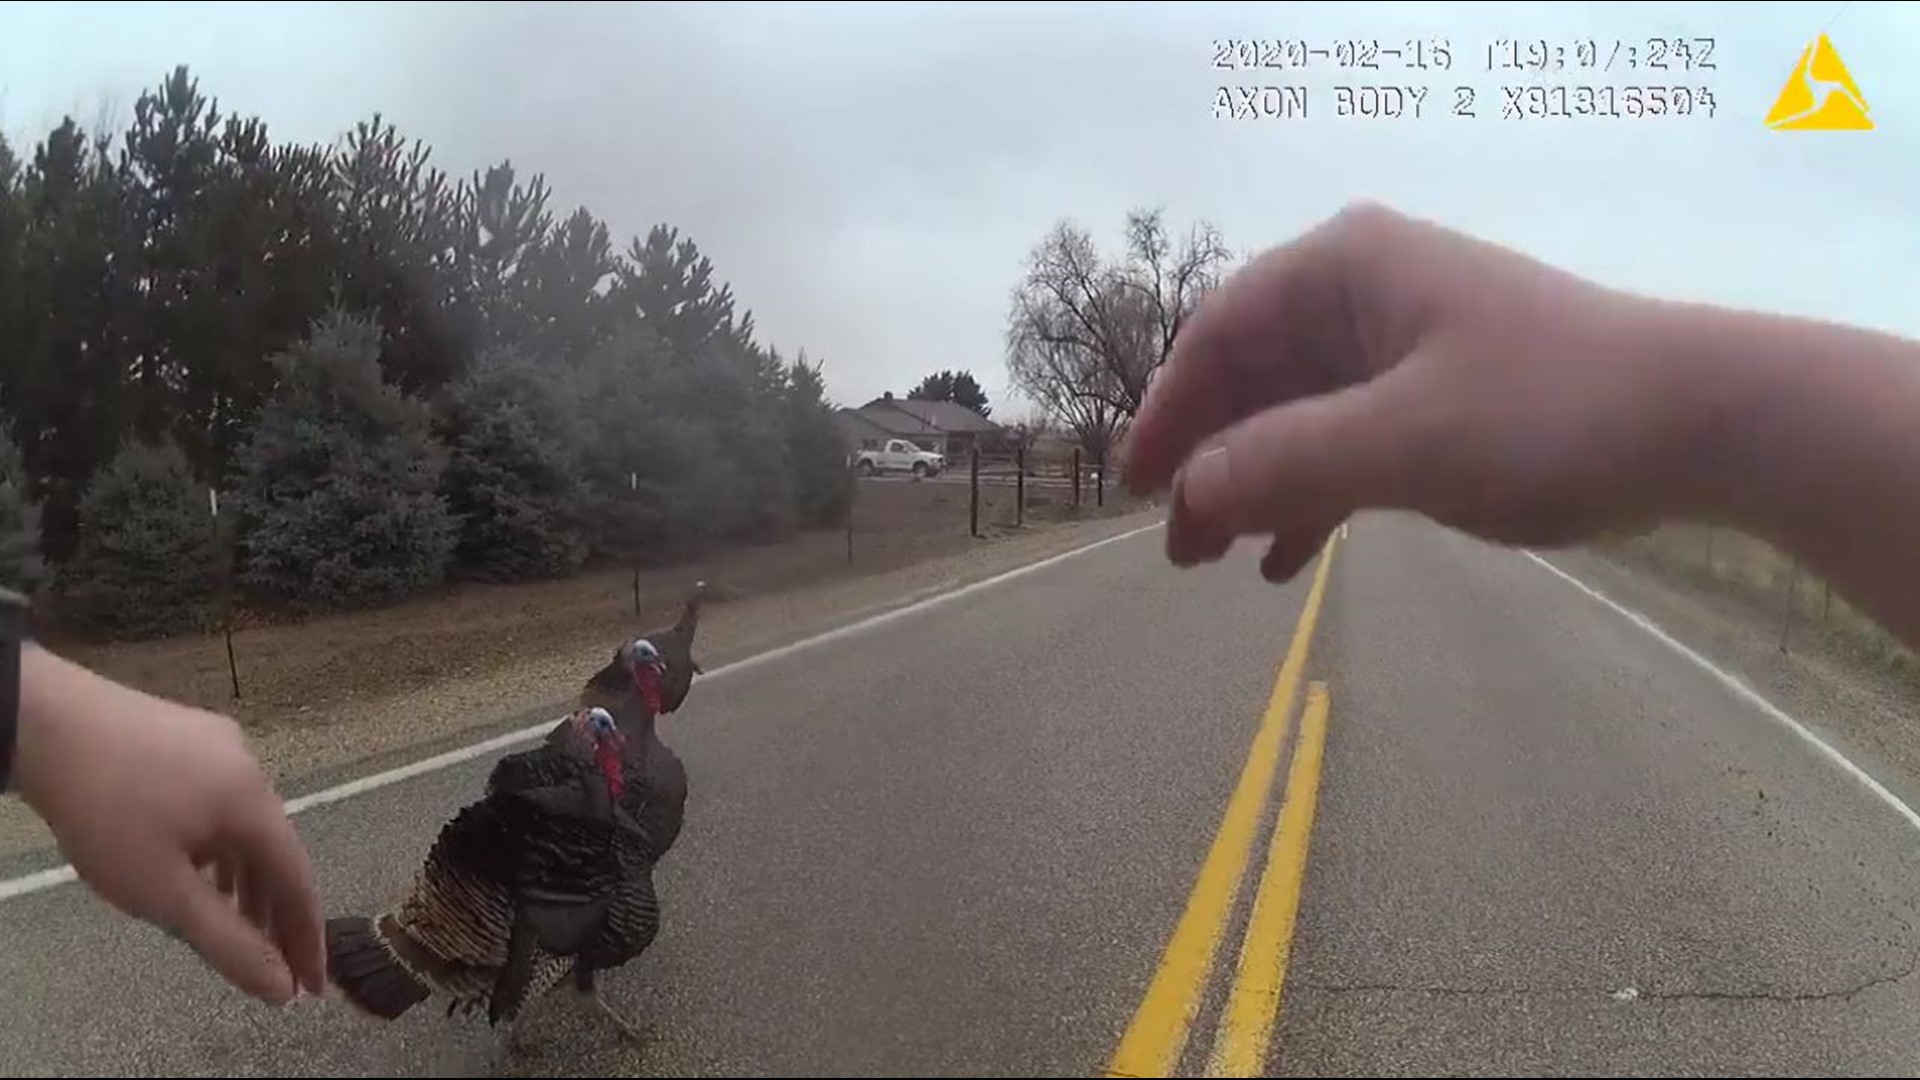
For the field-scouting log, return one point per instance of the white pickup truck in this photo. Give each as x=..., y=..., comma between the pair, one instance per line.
x=899, y=455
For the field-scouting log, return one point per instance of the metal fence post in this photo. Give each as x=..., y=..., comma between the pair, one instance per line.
x=1786, y=619
x=1020, y=485
x=973, y=501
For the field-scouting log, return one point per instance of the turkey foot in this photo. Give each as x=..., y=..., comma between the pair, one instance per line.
x=511, y=1041
x=515, y=1039
x=588, y=994
x=627, y=1030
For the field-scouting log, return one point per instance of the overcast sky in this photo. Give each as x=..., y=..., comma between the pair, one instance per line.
x=870, y=177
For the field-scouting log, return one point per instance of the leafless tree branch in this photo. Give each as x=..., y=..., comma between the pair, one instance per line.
x=1085, y=336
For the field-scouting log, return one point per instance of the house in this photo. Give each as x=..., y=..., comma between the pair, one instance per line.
x=944, y=427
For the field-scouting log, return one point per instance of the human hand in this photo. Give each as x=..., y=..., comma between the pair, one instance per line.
x=1382, y=361
x=142, y=795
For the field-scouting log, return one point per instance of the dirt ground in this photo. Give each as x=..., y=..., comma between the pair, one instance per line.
x=290, y=672
x=319, y=696
x=1771, y=585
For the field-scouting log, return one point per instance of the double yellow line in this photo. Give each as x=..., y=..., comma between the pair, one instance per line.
x=1157, y=1037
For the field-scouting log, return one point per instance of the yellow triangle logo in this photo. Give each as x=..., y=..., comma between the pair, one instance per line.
x=1820, y=95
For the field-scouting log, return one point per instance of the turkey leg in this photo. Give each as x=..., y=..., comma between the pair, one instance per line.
x=587, y=992
x=512, y=1040
x=515, y=1039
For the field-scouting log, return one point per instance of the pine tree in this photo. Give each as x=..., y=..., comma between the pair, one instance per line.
x=278, y=316
x=959, y=387
x=340, y=479
x=71, y=385
x=814, y=448
x=149, y=556
x=512, y=476
x=631, y=447
x=22, y=568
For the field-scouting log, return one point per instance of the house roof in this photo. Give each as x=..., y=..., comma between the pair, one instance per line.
x=904, y=416
x=861, y=426
x=894, y=422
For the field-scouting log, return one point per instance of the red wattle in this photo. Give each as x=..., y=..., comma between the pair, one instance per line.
x=608, y=757
x=649, y=684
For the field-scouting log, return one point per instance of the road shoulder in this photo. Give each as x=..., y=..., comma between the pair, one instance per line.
x=1866, y=711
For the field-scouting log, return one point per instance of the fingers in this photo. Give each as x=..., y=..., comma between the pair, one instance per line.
x=232, y=946
x=1291, y=551
x=240, y=884
x=263, y=885
x=256, y=904
x=257, y=872
x=1277, y=330
x=1300, y=468
x=1192, y=540
x=1292, y=547
x=281, y=886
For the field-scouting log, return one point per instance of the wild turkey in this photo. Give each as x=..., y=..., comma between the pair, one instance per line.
x=648, y=677
x=653, y=674
x=675, y=647
x=658, y=667
x=550, y=871
x=632, y=688
x=629, y=688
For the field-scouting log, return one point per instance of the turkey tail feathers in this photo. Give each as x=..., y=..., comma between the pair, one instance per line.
x=690, y=611
x=367, y=971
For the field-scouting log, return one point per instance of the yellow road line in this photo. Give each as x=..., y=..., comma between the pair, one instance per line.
x=1157, y=1036
x=1246, y=1027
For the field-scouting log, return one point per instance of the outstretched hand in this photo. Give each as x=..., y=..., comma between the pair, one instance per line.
x=165, y=814
x=1383, y=361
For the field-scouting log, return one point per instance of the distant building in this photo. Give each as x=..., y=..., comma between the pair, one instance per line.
x=944, y=427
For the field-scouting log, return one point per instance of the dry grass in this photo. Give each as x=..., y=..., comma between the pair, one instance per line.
x=1742, y=570
x=298, y=672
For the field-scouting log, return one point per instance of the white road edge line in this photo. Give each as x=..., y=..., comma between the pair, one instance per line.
x=1741, y=689
x=47, y=879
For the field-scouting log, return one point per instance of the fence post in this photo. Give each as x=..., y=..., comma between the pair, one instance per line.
x=1100, y=481
x=1786, y=620
x=1020, y=485
x=1076, y=478
x=230, y=545
x=633, y=489
x=973, y=500
x=853, y=489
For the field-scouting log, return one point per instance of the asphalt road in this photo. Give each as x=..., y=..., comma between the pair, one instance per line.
x=959, y=843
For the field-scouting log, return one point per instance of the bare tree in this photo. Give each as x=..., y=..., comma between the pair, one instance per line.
x=1027, y=429
x=1070, y=383
x=1108, y=326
